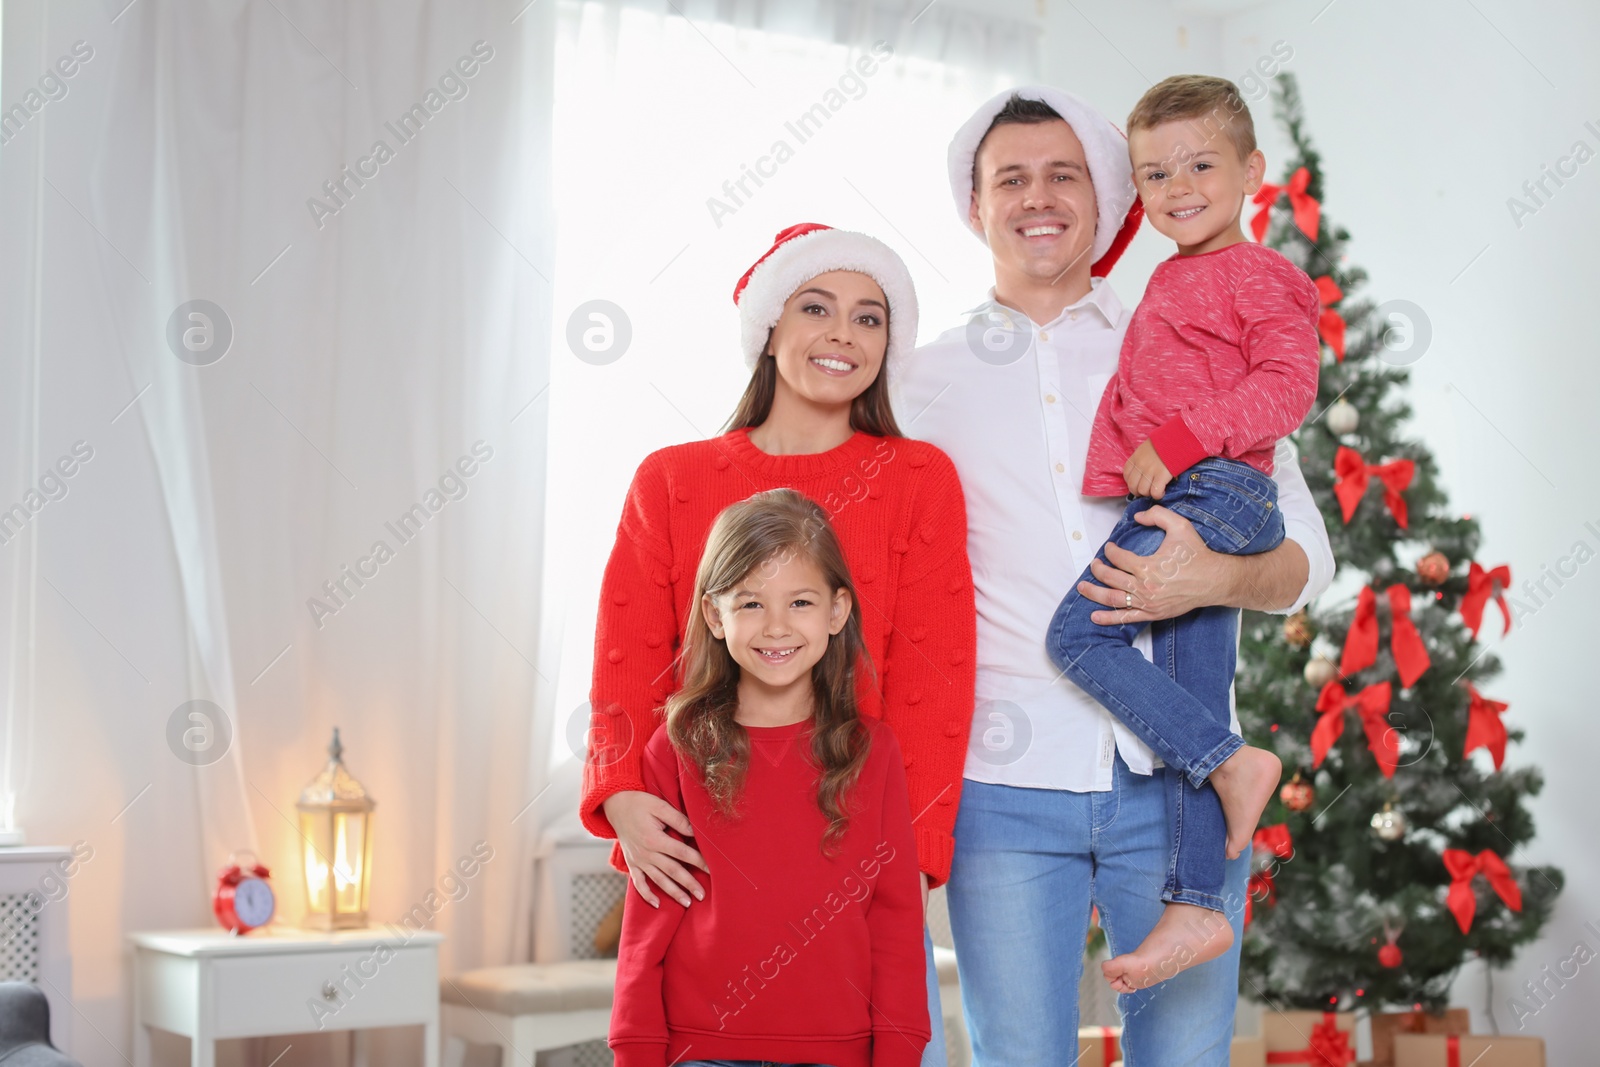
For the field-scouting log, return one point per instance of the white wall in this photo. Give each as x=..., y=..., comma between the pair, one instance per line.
x=1427, y=122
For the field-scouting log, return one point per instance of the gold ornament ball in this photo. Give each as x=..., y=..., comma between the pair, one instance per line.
x=1433, y=568
x=1297, y=630
x=1320, y=671
x=1297, y=794
x=1342, y=417
x=1389, y=824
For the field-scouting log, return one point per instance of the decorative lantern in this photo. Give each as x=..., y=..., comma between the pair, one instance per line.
x=336, y=831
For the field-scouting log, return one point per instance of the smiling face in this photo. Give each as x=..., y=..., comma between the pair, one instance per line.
x=831, y=338
x=1193, y=186
x=1033, y=200
x=777, y=621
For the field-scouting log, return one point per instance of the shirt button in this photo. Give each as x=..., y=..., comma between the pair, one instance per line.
x=1077, y=535
x=1043, y=336
x=1049, y=398
x=1061, y=468
x=1073, y=316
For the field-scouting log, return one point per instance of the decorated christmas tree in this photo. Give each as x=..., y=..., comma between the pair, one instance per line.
x=1394, y=854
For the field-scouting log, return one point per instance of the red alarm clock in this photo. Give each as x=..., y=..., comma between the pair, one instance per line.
x=243, y=899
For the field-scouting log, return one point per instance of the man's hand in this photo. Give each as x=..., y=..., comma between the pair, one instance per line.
x=653, y=855
x=1184, y=574
x=1145, y=474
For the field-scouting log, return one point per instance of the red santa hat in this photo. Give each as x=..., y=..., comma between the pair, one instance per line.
x=806, y=250
x=1105, y=149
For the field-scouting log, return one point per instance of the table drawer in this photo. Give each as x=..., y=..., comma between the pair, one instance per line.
x=283, y=994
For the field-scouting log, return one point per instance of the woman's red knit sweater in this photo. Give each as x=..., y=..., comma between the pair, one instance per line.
x=897, y=507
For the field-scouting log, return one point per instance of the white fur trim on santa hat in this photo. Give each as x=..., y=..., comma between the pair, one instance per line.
x=1105, y=149
x=799, y=259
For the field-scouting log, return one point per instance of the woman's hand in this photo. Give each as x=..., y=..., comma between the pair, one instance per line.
x=653, y=855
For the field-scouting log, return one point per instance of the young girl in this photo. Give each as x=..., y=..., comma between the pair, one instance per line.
x=807, y=946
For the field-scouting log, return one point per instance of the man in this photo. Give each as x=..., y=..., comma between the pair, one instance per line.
x=1062, y=808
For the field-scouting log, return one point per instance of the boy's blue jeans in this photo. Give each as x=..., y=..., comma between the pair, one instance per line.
x=1178, y=704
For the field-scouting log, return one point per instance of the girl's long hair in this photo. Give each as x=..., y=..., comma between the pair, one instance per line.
x=749, y=537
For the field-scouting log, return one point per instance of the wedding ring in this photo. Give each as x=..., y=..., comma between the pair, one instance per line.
x=1128, y=601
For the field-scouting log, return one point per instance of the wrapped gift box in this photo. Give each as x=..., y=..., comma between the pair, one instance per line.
x=1099, y=1046
x=1442, y=1050
x=1387, y=1025
x=1290, y=1032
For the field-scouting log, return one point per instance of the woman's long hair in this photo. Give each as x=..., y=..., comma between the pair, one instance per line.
x=748, y=537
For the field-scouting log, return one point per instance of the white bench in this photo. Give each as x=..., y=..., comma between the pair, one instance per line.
x=561, y=999
x=527, y=1008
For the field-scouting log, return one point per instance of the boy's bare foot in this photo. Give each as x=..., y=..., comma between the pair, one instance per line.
x=1185, y=935
x=1245, y=783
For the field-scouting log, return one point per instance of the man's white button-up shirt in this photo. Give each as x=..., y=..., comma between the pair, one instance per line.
x=1011, y=402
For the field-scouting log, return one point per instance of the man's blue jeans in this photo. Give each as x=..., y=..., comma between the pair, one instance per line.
x=1178, y=704
x=1028, y=865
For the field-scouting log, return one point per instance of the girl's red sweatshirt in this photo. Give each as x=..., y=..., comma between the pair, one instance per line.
x=897, y=507
x=793, y=956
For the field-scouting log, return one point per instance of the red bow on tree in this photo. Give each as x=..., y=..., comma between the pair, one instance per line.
x=1484, y=728
x=1353, y=474
x=1361, y=643
x=1329, y=1046
x=1464, y=867
x=1330, y=324
x=1372, y=704
x=1275, y=839
x=1481, y=585
x=1262, y=888
x=1307, y=212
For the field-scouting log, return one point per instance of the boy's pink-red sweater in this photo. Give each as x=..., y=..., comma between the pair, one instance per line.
x=793, y=956
x=897, y=507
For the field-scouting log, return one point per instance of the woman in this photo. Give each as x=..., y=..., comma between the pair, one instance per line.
x=825, y=318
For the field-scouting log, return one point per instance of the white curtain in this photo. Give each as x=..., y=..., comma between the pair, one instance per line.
x=386, y=381
x=997, y=37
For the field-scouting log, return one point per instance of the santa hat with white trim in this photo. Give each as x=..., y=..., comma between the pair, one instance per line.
x=1117, y=207
x=806, y=250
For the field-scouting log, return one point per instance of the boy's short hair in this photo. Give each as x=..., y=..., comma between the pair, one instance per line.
x=1018, y=111
x=1212, y=104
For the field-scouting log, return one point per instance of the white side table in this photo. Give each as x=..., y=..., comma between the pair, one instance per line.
x=209, y=985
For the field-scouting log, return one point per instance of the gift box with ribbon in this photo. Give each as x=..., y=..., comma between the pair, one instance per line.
x=1387, y=1025
x=1099, y=1046
x=1314, y=1038
x=1451, y=1050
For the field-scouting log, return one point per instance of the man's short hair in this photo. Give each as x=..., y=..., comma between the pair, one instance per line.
x=1018, y=111
x=1213, y=105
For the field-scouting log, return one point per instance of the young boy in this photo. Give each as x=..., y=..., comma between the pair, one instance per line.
x=1219, y=361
